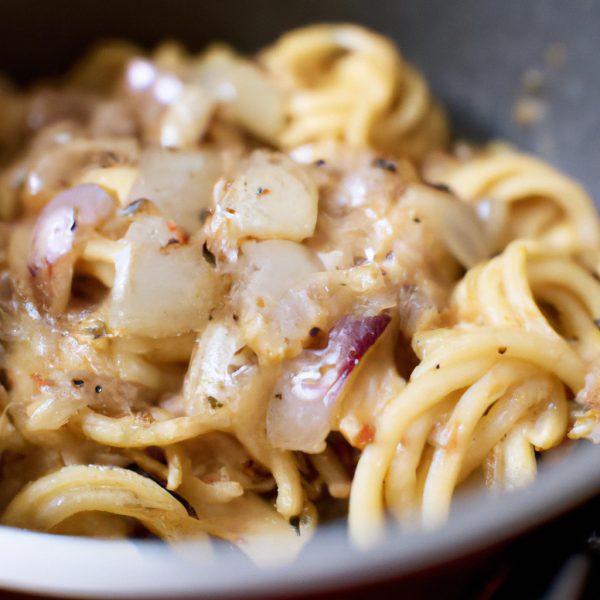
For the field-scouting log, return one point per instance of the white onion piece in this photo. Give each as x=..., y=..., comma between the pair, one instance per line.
x=58, y=239
x=275, y=266
x=455, y=222
x=180, y=184
x=305, y=398
x=209, y=373
x=161, y=288
x=248, y=97
x=57, y=168
x=273, y=198
x=271, y=313
x=186, y=119
x=493, y=215
x=113, y=118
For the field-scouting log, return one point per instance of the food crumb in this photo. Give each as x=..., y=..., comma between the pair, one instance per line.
x=556, y=55
x=295, y=524
x=529, y=111
x=532, y=81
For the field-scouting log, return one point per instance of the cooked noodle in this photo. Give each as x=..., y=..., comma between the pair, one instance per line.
x=238, y=293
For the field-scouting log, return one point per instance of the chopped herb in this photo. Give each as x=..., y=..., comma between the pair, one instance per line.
x=98, y=389
x=97, y=330
x=209, y=257
x=214, y=403
x=502, y=350
x=278, y=396
x=319, y=163
x=295, y=524
x=388, y=165
x=314, y=331
x=77, y=382
x=130, y=209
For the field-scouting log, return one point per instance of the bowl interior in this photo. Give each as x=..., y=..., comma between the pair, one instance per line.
x=476, y=55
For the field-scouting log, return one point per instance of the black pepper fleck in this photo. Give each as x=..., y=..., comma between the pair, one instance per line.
x=209, y=257
x=440, y=186
x=77, y=382
x=278, y=396
x=314, y=331
x=97, y=330
x=98, y=389
x=295, y=524
x=319, y=163
x=214, y=403
x=437, y=366
x=388, y=165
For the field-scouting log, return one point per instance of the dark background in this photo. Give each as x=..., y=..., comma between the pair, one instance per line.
x=475, y=53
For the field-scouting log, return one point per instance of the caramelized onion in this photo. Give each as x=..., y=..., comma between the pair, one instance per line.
x=58, y=240
x=305, y=397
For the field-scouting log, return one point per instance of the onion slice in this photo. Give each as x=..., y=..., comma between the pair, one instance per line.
x=58, y=239
x=305, y=397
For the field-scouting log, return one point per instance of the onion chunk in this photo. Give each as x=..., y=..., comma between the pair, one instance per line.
x=305, y=398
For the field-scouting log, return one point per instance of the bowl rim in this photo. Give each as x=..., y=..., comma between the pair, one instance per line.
x=150, y=569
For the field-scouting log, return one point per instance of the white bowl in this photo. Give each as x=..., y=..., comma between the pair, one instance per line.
x=79, y=567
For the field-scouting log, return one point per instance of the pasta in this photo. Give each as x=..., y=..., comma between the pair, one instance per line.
x=239, y=295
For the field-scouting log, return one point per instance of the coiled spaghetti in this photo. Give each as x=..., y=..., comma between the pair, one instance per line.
x=205, y=337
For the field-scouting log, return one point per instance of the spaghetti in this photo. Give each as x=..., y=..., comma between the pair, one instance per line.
x=239, y=294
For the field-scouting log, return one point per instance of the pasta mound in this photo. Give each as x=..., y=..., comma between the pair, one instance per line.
x=239, y=294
